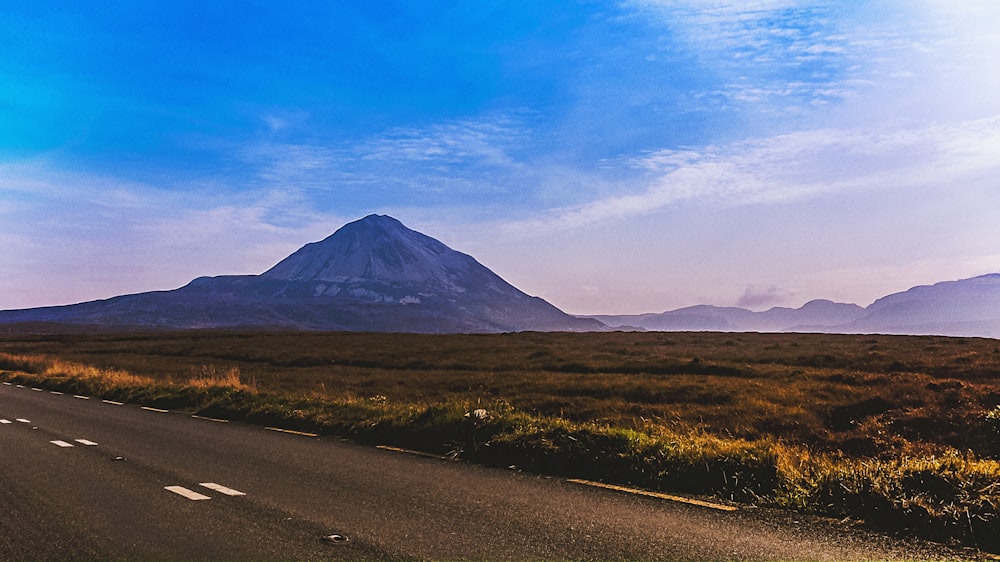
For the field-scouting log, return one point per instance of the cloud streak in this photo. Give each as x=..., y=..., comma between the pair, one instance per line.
x=482, y=142
x=672, y=137
x=771, y=52
x=762, y=297
x=107, y=237
x=448, y=162
x=796, y=166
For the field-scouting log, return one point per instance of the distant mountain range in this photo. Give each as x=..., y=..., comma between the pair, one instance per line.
x=377, y=275
x=969, y=307
x=373, y=274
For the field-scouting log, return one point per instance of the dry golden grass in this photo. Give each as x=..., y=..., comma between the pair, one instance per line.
x=902, y=432
x=210, y=376
x=867, y=396
x=103, y=379
x=55, y=368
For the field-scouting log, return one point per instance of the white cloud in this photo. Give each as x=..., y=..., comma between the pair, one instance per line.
x=915, y=60
x=101, y=236
x=794, y=167
x=762, y=38
x=759, y=298
x=450, y=158
x=483, y=141
x=275, y=123
x=293, y=166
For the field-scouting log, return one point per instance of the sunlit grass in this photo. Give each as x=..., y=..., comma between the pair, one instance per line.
x=54, y=369
x=105, y=379
x=210, y=376
x=902, y=433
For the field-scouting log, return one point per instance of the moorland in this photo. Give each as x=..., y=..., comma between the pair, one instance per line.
x=896, y=432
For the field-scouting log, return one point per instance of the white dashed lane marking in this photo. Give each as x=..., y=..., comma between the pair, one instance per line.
x=192, y=495
x=189, y=494
x=81, y=397
x=112, y=402
x=6, y=384
x=66, y=444
x=56, y=392
x=37, y=390
x=221, y=489
x=148, y=409
x=6, y=421
x=22, y=420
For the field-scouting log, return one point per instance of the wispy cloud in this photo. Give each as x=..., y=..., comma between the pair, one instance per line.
x=793, y=56
x=763, y=297
x=482, y=141
x=796, y=166
x=292, y=165
x=768, y=51
x=452, y=160
x=105, y=236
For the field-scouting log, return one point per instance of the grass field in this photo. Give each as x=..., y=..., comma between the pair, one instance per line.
x=900, y=432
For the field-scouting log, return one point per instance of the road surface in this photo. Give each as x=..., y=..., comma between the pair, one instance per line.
x=84, y=479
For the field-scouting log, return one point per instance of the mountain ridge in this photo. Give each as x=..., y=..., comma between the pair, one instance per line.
x=965, y=307
x=373, y=274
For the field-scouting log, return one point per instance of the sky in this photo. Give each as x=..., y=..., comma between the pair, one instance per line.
x=609, y=157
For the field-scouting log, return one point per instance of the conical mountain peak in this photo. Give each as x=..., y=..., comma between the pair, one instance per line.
x=373, y=274
x=376, y=248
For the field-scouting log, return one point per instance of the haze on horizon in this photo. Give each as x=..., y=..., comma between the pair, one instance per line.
x=610, y=157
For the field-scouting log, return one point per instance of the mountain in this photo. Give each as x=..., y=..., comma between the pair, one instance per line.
x=968, y=307
x=374, y=274
x=814, y=314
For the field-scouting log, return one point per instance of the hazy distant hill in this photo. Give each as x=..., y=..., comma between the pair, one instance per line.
x=377, y=275
x=371, y=275
x=817, y=313
x=969, y=307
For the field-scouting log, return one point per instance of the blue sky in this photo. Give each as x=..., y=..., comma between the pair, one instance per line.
x=610, y=157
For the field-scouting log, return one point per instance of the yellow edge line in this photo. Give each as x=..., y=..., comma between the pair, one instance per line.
x=292, y=431
x=659, y=495
x=150, y=409
x=410, y=452
x=209, y=419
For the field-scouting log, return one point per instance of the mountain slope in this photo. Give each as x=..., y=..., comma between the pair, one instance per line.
x=380, y=248
x=373, y=274
x=968, y=307
x=812, y=316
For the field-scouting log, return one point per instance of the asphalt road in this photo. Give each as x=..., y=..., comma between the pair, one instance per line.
x=82, y=479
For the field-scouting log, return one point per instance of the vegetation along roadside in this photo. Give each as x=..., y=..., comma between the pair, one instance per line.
x=902, y=433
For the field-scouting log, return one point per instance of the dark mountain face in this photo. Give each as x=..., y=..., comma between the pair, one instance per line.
x=375, y=274
x=376, y=248
x=378, y=256
x=371, y=275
